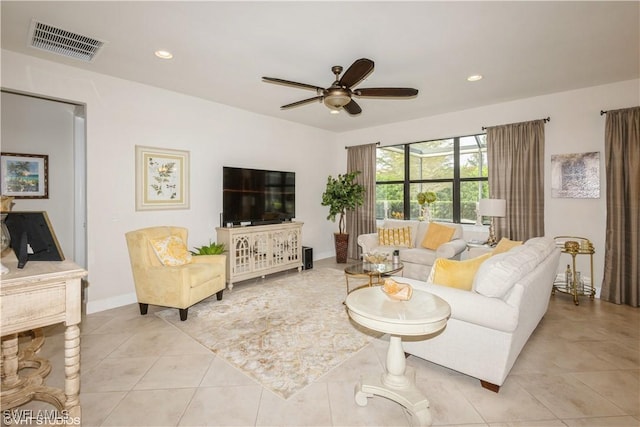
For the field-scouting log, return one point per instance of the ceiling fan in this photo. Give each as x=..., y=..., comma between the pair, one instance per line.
x=339, y=95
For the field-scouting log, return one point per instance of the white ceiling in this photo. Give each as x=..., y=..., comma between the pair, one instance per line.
x=222, y=49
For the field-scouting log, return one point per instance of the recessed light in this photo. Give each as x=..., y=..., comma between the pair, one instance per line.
x=334, y=111
x=163, y=54
x=474, y=78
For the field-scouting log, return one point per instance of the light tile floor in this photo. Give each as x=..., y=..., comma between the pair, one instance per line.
x=581, y=367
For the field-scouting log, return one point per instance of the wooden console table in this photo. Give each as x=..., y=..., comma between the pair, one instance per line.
x=42, y=293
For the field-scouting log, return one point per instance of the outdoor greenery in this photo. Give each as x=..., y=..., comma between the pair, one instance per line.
x=342, y=194
x=431, y=169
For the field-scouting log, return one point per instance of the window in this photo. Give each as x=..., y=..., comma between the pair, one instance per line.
x=454, y=168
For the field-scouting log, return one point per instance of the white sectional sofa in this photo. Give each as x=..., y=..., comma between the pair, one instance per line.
x=416, y=259
x=491, y=323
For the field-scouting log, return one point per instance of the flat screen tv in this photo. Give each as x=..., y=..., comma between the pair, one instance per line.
x=256, y=196
x=32, y=237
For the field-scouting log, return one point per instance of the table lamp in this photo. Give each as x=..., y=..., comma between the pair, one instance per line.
x=492, y=208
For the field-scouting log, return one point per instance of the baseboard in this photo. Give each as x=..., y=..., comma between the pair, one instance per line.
x=109, y=303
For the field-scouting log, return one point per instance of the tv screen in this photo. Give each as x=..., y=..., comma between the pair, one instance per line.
x=32, y=237
x=257, y=196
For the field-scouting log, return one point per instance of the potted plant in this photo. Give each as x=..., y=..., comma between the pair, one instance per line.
x=341, y=195
x=212, y=248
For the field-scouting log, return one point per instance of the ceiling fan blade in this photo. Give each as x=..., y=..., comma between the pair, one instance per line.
x=397, y=92
x=317, y=89
x=357, y=72
x=303, y=102
x=352, y=108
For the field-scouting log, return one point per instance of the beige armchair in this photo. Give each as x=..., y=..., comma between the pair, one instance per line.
x=178, y=286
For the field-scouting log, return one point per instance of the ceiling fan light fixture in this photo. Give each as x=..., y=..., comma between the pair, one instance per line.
x=337, y=100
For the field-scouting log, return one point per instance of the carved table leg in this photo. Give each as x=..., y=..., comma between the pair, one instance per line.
x=72, y=370
x=10, y=361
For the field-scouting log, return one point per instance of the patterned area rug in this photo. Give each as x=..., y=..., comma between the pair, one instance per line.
x=285, y=333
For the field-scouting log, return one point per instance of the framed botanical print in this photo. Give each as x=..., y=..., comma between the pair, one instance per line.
x=162, y=178
x=24, y=176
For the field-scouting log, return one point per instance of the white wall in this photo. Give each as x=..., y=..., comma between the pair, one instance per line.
x=576, y=126
x=122, y=114
x=38, y=126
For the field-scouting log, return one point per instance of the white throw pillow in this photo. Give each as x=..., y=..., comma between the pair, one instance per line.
x=499, y=273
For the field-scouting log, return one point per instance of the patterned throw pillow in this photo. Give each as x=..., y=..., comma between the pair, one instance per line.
x=395, y=236
x=436, y=235
x=171, y=251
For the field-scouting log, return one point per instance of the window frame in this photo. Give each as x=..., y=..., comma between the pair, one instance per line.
x=456, y=181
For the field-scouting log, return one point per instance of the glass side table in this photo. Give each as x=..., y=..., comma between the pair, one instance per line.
x=373, y=273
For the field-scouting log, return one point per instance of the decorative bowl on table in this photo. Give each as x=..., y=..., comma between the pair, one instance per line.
x=397, y=291
x=376, y=261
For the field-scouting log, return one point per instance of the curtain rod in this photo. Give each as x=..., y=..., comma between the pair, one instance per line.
x=603, y=112
x=546, y=119
x=346, y=147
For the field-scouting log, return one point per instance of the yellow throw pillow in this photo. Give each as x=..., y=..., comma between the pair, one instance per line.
x=436, y=235
x=171, y=251
x=457, y=274
x=394, y=236
x=504, y=245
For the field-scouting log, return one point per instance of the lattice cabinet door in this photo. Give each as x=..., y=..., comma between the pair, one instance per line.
x=261, y=251
x=241, y=254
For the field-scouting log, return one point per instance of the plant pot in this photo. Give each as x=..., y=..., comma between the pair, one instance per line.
x=342, y=247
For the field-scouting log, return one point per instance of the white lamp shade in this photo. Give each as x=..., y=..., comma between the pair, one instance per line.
x=493, y=207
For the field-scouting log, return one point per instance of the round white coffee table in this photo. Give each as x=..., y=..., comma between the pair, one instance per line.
x=423, y=314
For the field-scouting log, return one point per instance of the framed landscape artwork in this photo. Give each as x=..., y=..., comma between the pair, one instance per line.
x=575, y=176
x=162, y=178
x=24, y=176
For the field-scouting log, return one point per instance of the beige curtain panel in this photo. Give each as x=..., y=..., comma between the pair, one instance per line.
x=621, y=278
x=515, y=153
x=363, y=219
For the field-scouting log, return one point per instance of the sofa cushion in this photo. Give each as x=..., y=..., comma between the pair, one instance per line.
x=436, y=235
x=171, y=251
x=504, y=245
x=418, y=256
x=499, y=273
x=400, y=237
x=456, y=274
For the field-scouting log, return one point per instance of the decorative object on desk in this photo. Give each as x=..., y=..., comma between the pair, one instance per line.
x=427, y=197
x=397, y=291
x=7, y=204
x=493, y=208
x=396, y=257
x=342, y=194
x=33, y=237
x=162, y=178
x=24, y=176
x=5, y=241
x=575, y=176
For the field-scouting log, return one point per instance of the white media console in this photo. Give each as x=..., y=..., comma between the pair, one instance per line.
x=258, y=250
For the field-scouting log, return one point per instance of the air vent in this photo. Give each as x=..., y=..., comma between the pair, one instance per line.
x=63, y=42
